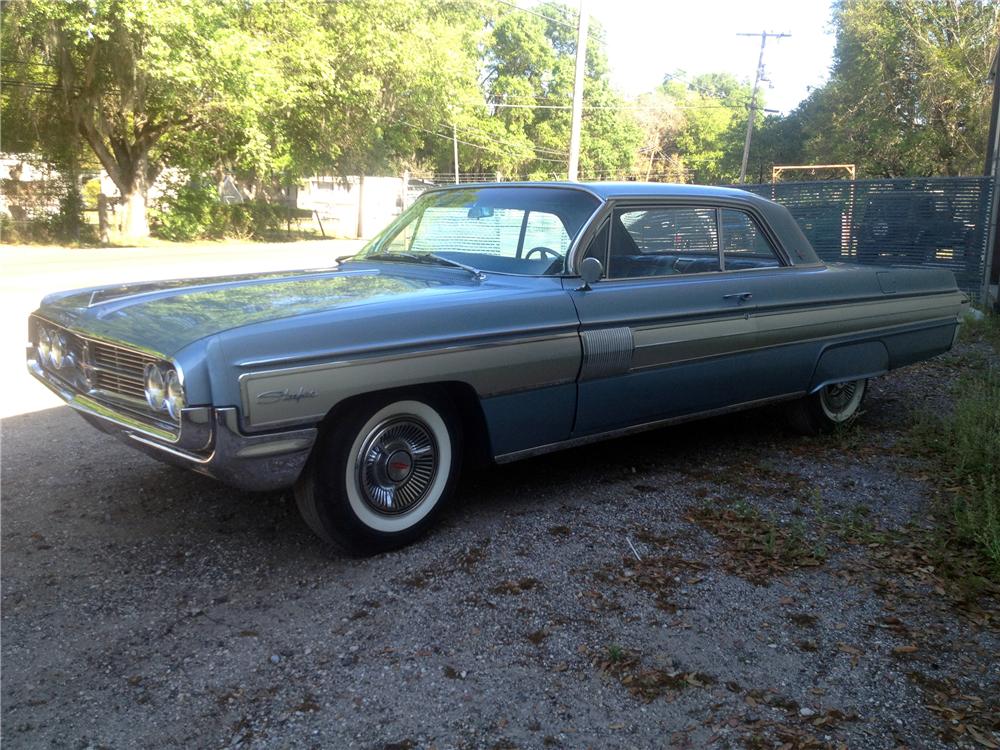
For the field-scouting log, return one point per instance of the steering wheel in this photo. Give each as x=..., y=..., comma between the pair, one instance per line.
x=543, y=253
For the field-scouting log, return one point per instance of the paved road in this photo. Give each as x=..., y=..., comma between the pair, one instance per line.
x=29, y=273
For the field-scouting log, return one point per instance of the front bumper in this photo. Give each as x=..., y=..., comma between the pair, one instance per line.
x=209, y=440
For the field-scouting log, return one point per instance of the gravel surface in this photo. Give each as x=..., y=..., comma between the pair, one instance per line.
x=145, y=607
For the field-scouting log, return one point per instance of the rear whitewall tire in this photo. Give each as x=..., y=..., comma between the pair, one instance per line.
x=831, y=407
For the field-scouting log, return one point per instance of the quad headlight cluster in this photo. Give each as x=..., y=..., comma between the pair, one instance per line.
x=164, y=391
x=53, y=349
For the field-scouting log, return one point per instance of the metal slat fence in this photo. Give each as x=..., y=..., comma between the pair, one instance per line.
x=940, y=222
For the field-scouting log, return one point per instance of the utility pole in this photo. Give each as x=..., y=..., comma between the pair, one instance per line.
x=454, y=145
x=753, y=99
x=581, y=69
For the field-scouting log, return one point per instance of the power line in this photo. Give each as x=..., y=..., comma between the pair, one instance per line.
x=558, y=21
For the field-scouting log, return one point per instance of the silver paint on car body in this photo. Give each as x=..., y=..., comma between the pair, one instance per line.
x=491, y=368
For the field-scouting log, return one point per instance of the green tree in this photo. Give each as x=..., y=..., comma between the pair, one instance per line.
x=907, y=93
x=269, y=90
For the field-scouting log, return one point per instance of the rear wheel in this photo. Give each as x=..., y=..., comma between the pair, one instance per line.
x=380, y=476
x=832, y=406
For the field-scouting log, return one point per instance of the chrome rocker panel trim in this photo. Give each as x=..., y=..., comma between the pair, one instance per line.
x=208, y=442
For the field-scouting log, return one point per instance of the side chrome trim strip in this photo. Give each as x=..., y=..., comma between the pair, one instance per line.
x=423, y=349
x=645, y=427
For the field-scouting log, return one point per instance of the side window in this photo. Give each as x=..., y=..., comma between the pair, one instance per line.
x=663, y=241
x=743, y=244
x=544, y=230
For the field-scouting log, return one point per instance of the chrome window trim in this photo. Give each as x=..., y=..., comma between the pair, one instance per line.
x=715, y=202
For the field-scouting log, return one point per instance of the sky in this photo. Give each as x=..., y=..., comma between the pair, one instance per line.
x=647, y=38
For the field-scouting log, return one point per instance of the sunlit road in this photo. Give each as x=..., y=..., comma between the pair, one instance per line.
x=29, y=273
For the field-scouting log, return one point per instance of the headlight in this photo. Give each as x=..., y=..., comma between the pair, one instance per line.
x=44, y=347
x=175, y=395
x=156, y=388
x=58, y=350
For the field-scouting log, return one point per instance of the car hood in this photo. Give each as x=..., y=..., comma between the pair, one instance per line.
x=165, y=316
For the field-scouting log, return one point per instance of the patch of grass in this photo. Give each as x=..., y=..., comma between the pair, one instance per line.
x=965, y=449
x=984, y=330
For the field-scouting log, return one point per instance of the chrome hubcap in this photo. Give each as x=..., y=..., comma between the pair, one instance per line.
x=840, y=400
x=396, y=465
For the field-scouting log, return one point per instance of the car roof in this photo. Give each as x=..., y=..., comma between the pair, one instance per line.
x=610, y=190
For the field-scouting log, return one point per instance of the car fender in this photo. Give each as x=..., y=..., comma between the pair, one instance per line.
x=840, y=363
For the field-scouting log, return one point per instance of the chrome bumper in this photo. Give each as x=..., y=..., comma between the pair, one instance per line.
x=208, y=441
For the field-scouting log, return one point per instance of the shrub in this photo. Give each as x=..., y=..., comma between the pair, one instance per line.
x=193, y=211
x=966, y=447
x=188, y=213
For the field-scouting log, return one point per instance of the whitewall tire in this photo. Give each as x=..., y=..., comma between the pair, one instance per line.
x=380, y=475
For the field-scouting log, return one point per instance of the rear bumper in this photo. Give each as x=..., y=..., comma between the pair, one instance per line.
x=208, y=441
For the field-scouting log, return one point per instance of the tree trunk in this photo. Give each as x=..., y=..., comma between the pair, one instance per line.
x=135, y=225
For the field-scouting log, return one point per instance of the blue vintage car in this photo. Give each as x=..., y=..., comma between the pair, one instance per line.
x=488, y=321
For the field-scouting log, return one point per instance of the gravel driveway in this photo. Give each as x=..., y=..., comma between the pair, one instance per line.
x=147, y=607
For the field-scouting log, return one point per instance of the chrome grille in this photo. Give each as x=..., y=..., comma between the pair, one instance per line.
x=118, y=370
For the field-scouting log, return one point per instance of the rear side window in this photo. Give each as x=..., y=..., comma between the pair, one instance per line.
x=663, y=241
x=744, y=246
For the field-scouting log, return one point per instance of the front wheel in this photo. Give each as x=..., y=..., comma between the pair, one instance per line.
x=832, y=406
x=380, y=476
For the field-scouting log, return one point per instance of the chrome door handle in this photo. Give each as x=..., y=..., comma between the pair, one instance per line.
x=739, y=296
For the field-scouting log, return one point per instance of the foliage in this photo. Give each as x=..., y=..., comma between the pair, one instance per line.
x=269, y=91
x=907, y=95
x=966, y=446
x=192, y=211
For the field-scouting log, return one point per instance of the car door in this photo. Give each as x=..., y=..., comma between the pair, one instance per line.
x=666, y=332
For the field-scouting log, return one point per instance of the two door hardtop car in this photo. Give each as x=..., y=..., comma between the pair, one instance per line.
x=497, y=321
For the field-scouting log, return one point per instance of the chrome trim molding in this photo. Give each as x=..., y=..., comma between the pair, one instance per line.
x=606, y=352
x=596, y=437
x=426, y=347
x=208, y=441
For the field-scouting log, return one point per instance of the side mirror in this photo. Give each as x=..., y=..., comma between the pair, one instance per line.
x=591, y=270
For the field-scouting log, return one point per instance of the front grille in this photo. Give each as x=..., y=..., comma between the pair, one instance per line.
x=108, y=373
x=117, y=370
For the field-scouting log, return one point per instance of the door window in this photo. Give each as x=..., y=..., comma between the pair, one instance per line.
x=663, y=242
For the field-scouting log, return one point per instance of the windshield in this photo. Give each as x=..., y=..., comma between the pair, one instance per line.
x=518, y=230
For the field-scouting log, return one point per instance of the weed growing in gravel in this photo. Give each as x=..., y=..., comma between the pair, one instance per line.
x=986, y=330
x=965, y=448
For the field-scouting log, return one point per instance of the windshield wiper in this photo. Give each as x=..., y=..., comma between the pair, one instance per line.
x=457, y=264
x=429, y=257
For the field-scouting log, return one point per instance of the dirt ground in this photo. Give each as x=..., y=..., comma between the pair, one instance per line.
x=722, y=584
